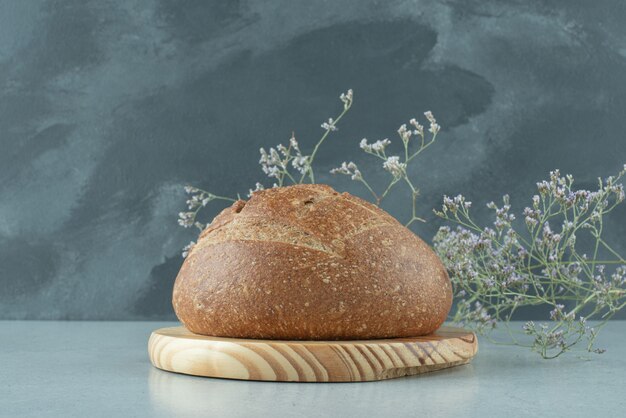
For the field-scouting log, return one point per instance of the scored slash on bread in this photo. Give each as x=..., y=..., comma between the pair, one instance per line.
x=307, y=263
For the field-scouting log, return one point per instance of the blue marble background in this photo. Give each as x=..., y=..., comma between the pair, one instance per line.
x=108, y=107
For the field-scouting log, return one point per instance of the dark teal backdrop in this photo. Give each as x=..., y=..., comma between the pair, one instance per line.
x=108, y=107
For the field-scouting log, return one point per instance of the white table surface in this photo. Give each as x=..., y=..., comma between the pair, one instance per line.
x=101, y=369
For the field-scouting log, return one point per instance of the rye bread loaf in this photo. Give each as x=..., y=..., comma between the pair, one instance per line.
x=307, y=263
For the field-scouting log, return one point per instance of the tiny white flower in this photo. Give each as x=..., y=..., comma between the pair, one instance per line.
x=405, y=134
x=273, y=171
x=356, y=176
x=258, y=186
x=186, y=219
x=349, y=169
x=283, y=150
x=294, y=144
x=394, y=166
x=301, y=163
x=365, y=146
x=379, y=146
x=274, y=156
x=434, y=127
x=330, y=125
x=346, y=98
x=343, y=169
x=264, y=157
x=187, y=249
x=419, y=129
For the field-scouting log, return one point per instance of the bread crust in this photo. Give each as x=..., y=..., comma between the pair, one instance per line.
x=307, y=263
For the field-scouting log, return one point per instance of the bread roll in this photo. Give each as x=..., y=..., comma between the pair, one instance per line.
x=307, y=263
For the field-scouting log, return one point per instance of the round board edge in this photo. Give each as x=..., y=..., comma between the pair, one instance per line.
x=176, y=349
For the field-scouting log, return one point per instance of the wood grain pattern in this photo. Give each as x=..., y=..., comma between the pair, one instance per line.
x=178, y=350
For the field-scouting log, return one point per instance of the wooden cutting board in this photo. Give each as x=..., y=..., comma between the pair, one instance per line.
x=178, y=350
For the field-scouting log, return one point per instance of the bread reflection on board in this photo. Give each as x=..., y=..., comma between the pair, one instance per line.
x=450, y=390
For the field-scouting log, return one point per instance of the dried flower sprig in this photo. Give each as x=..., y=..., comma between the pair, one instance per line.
x=498, y=269
x=414, y=141
x=289, y=165
x=284, y=164
x=198, y=199
x=281, y=162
